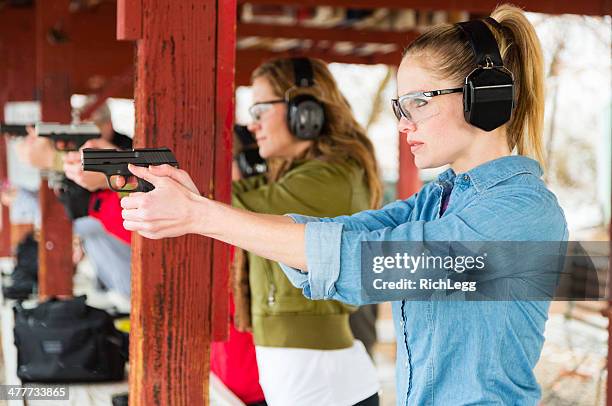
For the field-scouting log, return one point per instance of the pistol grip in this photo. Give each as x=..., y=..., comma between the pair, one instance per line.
x=144, y=186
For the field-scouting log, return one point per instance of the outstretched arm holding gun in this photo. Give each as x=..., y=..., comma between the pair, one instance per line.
x=42, y=141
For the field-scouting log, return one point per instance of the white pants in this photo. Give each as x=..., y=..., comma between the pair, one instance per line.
x=296, y=376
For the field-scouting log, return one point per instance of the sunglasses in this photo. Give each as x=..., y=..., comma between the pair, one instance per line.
x=415, y=106
x=257, y=109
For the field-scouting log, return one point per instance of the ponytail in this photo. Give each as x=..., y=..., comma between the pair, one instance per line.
x=522, y=55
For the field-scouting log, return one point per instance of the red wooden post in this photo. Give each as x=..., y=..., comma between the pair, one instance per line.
x=225, y=106
x=17, y=82
x=5, y=222
x=408, y=182
x=53, y=80
x=183, y=98
x=5, y=226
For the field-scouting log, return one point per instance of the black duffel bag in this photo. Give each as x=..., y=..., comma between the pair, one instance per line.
x=64, y=341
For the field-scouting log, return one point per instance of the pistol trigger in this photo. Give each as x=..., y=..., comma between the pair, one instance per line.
x=110, y=183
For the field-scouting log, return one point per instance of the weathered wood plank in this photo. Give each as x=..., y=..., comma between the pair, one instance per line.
x=53, y=82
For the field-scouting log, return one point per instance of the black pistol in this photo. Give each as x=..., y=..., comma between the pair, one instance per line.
x=114, y=164
x=68, y=137
x=13, y=130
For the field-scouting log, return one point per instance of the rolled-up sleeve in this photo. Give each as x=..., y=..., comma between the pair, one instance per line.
x=323, y=241
x=324, y=250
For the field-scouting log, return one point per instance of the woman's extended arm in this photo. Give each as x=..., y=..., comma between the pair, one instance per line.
x=274, y=237
x=270, y=236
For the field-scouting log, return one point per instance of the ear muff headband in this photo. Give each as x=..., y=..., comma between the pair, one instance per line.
x=302, y=71
x=305, y=114
x=488, y=91
x=483, y=43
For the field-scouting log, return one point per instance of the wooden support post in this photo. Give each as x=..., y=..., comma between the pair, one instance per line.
x=17, y=82
x=225, y=109
x=5, y=225
x=408, y=182
x=53, y=81
x=183, y=101
x=5, y=221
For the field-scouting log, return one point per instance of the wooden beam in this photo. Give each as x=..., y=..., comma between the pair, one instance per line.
x=53, y=80
x=584, y=7
x=401, y=39
x=248, y=59
x=409, y=181
x=176, y=106
x=225, y=111
x=129, y=20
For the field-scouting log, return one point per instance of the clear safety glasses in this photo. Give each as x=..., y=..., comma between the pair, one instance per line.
x=416, y=106
x=257, y=109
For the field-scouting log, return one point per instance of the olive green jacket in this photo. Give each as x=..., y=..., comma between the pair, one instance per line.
x=281, y=315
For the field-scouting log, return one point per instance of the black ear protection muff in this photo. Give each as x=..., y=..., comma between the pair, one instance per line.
x=305, y=114
x=488, y=91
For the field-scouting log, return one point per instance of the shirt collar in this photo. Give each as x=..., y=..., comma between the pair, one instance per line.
x=490, y=173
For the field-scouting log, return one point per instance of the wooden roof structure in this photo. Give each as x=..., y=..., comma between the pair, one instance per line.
x=180, y=61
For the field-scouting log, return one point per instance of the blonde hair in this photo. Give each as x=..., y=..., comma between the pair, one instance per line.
x=341, y=139
x=450, y=55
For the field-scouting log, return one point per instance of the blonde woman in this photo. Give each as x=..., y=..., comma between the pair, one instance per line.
x=449, y=352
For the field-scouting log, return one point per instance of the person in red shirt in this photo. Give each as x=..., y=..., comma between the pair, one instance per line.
x=234, y=360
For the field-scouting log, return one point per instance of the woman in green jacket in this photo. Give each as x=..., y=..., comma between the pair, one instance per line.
x=321, y=164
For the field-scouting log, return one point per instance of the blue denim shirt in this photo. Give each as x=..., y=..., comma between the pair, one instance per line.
x=449, y=352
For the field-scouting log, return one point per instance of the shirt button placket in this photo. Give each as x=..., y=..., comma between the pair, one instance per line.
x=402, y=324
x=407, y=360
